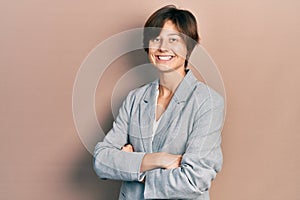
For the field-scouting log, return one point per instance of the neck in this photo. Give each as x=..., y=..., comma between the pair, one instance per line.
x=168, y=82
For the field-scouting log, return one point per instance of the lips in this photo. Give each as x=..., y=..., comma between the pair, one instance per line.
x=164, y=57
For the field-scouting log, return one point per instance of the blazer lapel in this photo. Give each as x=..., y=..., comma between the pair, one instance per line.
x=146, y=116
x=171, y=118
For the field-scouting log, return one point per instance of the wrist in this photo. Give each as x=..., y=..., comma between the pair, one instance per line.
x=152, y=161
x=155, y=159
x=160, y=159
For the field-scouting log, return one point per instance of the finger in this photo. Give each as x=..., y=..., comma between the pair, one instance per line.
x=127, y=148
x=131, y=147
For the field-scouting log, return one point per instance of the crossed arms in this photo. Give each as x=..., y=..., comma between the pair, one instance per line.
x=156, y=160
x=183, y=176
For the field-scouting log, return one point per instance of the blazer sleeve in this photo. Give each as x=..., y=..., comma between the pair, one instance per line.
x=110, y=162
x=200, y=162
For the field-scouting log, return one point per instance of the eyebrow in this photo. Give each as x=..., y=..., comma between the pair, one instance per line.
x=173, y=34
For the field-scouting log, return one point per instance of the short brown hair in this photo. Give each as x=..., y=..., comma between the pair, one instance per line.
x=184, y=21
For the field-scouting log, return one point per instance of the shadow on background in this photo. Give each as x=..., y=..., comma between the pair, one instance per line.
x=83, y=177
x=85, y=181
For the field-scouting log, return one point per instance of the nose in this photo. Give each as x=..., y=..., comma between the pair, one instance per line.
x=163, y=46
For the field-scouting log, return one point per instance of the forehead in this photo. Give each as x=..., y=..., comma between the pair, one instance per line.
x=169, y=28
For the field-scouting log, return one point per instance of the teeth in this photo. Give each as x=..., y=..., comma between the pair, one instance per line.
x=164, y=58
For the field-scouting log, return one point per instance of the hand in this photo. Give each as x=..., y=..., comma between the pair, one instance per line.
x=160, y=160
x=127, y=148
x=170, y=161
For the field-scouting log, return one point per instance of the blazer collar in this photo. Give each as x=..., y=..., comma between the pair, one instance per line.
x=182, y=92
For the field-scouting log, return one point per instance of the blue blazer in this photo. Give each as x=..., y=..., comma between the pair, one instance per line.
x=191, y=126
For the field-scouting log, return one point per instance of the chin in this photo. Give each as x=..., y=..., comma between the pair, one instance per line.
x=164, y=68
x=167, y=69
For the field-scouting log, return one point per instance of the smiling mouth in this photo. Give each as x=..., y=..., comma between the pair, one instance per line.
x=164, y=58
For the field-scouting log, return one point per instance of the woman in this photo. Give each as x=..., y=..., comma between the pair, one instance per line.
x=165, y=142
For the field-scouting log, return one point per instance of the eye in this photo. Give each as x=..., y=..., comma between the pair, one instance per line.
x=173, y=40
x=156, y=40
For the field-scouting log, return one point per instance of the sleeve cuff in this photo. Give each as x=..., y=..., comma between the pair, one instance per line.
x=141, y=176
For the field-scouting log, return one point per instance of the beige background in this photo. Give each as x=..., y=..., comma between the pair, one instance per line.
x=42, y=44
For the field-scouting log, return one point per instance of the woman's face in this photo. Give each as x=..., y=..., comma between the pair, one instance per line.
x=168, y=50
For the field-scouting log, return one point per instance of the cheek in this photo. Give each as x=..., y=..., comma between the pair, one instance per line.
x=151, y=56
x=181, y=51
x=153, y=45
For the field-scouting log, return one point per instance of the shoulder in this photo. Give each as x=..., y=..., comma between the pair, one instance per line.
x=209, y=106
x=140, y=91
x=137, y=94
x=207, y=96
x=200, y=93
